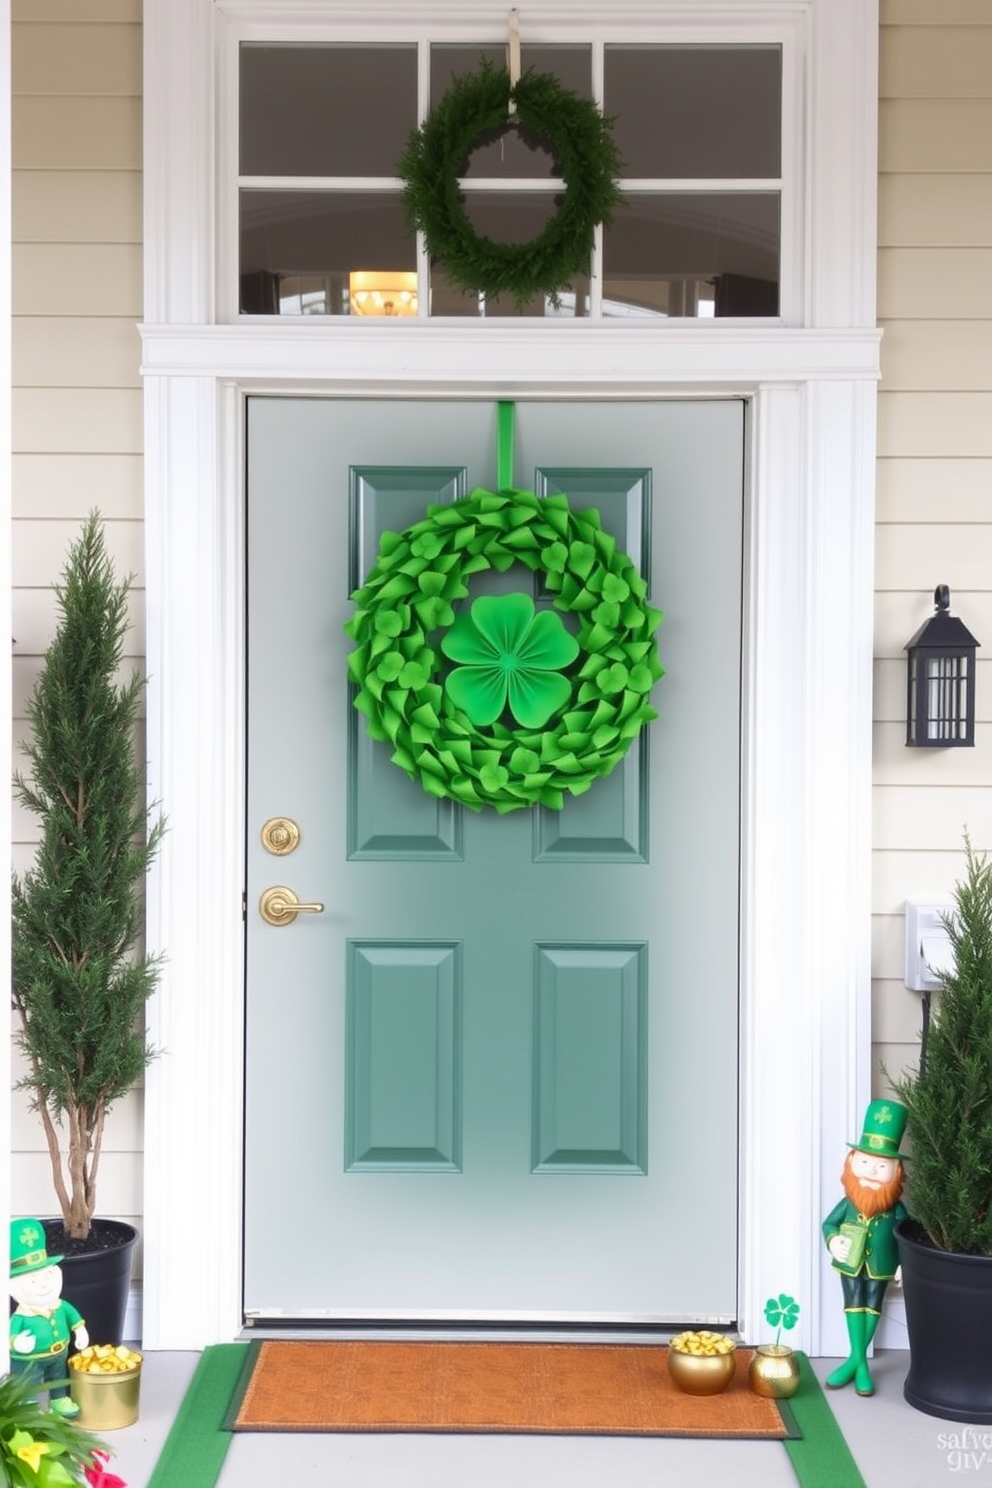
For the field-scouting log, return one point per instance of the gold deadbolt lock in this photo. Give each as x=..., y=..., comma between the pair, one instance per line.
x=280, y=835
x=280, y=906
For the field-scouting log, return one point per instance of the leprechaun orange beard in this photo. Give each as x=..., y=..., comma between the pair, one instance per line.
x=867, y=1200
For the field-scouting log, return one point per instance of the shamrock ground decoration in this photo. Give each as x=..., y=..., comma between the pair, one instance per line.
x=503, y=704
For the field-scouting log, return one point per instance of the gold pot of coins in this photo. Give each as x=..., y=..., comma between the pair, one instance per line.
x=105, y=1383
x=702, y=1362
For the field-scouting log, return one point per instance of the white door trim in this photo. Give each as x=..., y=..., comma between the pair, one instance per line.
x=807, y=762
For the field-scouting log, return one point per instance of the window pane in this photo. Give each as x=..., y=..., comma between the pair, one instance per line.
x=693, y=255
x=513, y=155
x=684, y=112
x=326, y=110
x=299, y=249
x=506, y=217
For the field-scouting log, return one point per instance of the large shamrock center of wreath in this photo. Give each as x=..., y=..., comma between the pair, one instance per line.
x=509, y=655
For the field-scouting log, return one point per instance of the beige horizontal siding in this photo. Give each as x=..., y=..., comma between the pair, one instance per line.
x=39, y=548
x=77, y=279
x=913, y=490
x=921, y=62
x=934, y=509
x=961, y=555
x=935, y=283
x=937, y=355
x=92, y=12
x=77, y=60
x=91, y=420
x=935, y=424
x=51, y=485
x=898, y=1012
x=76, y=133
x=918, y=873
x=935, y=211
x=888, y=952
x=83, y=351
x=119, y=1181
x=889, y=687
x=892, y=1061
x=57, y=206
x=896, y=764
x=923, y=818
x=935, y=13
x=935, y=134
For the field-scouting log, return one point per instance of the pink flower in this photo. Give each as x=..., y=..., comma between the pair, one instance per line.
x=97, y=1475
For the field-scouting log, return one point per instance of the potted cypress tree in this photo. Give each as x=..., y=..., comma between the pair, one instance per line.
x=946, y=1246
x=80, y=980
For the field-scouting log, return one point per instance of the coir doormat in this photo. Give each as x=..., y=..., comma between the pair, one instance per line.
x=548, y=1388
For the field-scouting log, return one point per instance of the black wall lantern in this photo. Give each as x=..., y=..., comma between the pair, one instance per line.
x=940, y=703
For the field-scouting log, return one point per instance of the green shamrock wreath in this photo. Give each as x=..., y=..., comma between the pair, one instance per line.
x=476, y=108
x=453, y=732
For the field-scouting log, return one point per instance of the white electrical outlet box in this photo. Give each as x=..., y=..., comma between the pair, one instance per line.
x=928, y=945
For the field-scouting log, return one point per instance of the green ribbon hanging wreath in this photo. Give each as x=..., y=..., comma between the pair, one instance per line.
x=452, y=731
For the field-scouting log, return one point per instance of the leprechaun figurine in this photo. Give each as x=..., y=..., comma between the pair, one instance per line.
x=41, y=1324
x=860, y=1234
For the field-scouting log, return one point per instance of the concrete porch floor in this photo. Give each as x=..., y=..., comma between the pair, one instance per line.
x=894, y=1445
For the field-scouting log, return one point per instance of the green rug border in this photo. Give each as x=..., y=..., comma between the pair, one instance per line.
x=820, y=1456
x=197, y=1444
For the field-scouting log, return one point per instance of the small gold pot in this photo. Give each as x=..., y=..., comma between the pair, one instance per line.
x=701, y=1374
x=106, y=1401
x=774, y=1371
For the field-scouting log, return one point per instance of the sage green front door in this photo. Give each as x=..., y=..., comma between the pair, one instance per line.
x=494, y=1077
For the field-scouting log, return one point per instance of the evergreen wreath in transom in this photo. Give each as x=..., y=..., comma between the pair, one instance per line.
x=475, y=110
x=409, y=596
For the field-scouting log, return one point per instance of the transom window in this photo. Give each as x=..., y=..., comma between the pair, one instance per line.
x=321, y=229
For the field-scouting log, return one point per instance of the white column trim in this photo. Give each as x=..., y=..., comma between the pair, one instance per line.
x=806, y=967
x=193, y=1091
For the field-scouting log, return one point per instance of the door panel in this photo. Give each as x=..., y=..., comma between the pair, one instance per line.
x=496, y=1076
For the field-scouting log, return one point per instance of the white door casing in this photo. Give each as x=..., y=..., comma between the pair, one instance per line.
x=805, y=1057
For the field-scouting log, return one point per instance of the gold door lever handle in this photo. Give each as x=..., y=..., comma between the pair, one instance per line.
x=280, y=906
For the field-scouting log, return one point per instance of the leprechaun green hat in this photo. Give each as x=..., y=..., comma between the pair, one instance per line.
x=27, y=1247
x=884, y=1124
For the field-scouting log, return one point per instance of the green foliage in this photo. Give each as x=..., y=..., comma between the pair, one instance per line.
x=79, y=986
x=39, y=1449
x=949, y=1099
x=475, y=110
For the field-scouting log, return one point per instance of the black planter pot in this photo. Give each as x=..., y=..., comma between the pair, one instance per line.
x=96, y=1274
x=949, y=1319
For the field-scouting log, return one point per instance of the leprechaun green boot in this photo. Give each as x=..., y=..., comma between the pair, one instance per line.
x=846, y=1372
x=863, y=1382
